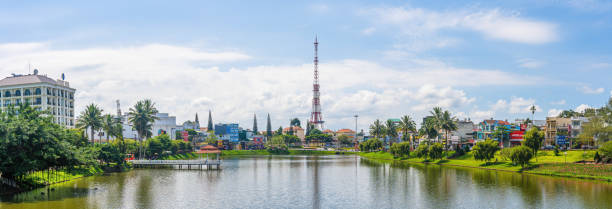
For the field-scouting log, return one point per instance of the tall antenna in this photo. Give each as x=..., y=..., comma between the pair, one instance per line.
x=315, y=117
x=118, y=110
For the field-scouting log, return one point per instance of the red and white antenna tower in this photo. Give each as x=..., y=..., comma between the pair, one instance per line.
x=315, y=116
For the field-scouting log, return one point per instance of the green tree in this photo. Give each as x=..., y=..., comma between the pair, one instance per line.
x=268, y=128
x=406, y=126
x=279, y=131
x=142, y=116
x=373, y=144
x=109, y=126
x=400, y=149
x=606, y=149
x=429, y=129
x=391, y=130
x=422, y=151
x=377, y=129
x=344, y=140
x=533, y=139
x=485, y=150
x=295, y=122
x=521, y=155
x=435, y=151
x=448, y=124
x=437, y=119
x=211, y=139
x=90, y=118
x=277, y=145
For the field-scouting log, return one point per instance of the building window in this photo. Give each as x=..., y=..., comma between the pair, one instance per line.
x=27, y=92
x=38, y=101
x=7, y=94
x=37, y=91
x=17, y=93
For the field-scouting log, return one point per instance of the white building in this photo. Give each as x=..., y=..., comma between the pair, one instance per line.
x=43, y=93
x=164, y=124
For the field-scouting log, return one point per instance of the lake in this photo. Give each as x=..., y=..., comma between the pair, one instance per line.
x=318, y=182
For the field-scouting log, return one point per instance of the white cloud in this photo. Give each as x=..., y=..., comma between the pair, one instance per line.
x=174, y=78
x=516, y=105
x=493, y=23
x=368, y=31
x=530, y=63
x=560, y=102
x=582, y=107
x=589, y=90
x=554, y=112
x=320, y=8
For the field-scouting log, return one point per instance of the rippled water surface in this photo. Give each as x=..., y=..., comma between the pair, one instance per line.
x=318, y=182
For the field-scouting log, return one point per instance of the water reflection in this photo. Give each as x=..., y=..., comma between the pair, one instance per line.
x=318, y=182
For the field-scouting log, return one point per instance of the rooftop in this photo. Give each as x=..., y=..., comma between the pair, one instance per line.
x=30, y=79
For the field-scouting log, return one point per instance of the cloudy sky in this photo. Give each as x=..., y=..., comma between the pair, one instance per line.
x=378, y=59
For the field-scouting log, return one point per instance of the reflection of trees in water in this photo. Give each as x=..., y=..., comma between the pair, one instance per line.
x=57, y=193
x=143, y=190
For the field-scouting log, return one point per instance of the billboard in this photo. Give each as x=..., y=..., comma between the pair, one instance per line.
x=516, y=135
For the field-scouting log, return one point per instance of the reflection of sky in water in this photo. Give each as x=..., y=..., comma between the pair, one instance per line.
x=318, y=182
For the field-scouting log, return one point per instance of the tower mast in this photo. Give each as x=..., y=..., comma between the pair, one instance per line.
x=315, y=117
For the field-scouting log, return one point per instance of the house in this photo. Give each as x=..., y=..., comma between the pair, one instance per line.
x=297, y=131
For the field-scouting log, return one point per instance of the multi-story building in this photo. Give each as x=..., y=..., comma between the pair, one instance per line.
x=557, y=130
x=227, y=131
x=464, y=133
x=42, y=93
x=297, y=131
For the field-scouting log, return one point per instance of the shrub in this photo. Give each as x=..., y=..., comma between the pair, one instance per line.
x=485, y=150
x=556, y=151
x=370, y=145
x=435, y=151
x=505, y=153
x=422, y=151
x=521, y=155
x=606, y=149
x=400, y=149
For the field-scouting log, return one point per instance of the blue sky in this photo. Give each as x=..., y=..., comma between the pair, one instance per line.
x=379, y=59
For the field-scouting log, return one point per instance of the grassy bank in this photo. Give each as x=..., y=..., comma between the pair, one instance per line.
x=546, y=164
x=49, y=177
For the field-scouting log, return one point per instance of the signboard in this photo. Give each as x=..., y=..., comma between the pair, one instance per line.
x=523, y=127
x=185, y=135
x=562, y=140
x=516, y=135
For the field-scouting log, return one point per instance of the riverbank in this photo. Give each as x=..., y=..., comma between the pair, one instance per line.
x=44, y=178
x=546, y=164
x=235, y=153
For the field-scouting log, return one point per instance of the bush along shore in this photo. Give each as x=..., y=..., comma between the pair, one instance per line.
x=577, y=164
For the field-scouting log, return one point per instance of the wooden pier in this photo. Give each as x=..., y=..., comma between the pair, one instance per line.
x=181, y=164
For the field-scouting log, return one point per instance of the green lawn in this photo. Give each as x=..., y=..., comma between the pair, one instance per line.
x=41, y=178
x=546, y=164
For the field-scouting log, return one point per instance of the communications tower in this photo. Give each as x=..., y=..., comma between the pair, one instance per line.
x=315, y=116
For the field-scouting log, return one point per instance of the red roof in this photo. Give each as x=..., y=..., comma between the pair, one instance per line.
x=346, y=130
x=328, y=131
x=295, y=128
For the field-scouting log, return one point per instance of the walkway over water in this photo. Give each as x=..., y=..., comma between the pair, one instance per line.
x=188, y=164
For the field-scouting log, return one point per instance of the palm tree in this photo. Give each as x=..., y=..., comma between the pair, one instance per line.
x=108, y=125
x=377, y=128
x=448, y=124
x=533, y=110
x=90, y=118
x=142, y=116
x=407, y=125
x=438, y=119
x=391, y=130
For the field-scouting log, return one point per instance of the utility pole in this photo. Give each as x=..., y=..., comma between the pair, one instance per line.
x=356, y=116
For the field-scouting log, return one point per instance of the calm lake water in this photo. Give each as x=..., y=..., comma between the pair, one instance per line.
x=318, y=182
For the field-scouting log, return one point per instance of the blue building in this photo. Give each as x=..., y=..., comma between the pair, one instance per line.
x=227, y=131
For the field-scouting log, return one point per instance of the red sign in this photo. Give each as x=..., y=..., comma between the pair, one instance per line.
x=516, y=135
x=185, y=135
x=523, y=127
